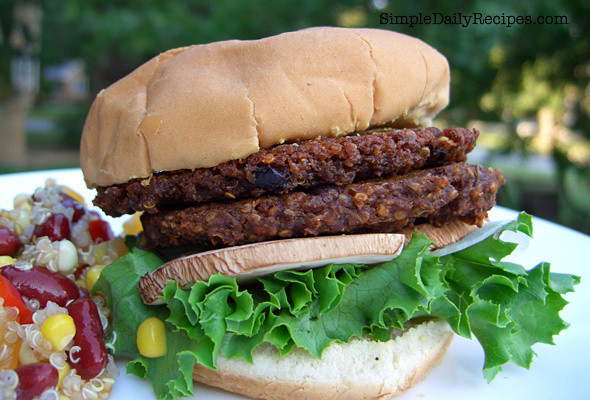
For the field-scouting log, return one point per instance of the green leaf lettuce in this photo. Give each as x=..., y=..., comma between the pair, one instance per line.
x=504, y=306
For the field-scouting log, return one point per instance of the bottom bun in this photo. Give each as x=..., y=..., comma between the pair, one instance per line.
x=360, y=369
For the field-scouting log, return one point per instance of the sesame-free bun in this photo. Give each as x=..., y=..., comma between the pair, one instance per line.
x=361, y=369
x=202, y=105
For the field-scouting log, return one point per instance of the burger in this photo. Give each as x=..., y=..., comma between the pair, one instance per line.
x=307, y=234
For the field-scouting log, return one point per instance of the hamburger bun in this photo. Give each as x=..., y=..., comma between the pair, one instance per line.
x=362, y=369
x=317, y=82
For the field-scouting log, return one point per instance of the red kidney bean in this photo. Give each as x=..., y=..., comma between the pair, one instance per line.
x=91, y=359
x=34, y=379
x=42, y=284
x=56, y=227
x=9, y=242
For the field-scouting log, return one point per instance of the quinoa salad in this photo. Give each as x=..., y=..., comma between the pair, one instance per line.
x=52, y=250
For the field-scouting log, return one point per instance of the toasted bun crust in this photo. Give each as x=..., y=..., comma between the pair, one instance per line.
x=359, y=370
x=202, y=105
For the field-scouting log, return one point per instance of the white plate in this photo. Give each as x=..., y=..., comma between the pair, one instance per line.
x=559, y=372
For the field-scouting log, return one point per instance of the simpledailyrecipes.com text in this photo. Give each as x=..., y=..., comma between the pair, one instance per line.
x=465, y=20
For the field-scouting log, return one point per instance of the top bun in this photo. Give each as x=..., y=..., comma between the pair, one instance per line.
x=202, y=105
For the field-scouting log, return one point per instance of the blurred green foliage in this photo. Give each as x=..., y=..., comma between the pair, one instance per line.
x=510, y=74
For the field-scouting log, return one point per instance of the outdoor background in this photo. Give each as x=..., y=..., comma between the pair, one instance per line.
x=526, y=87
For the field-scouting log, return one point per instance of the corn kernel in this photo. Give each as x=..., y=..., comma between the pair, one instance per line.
x=22, y=219
x=22, y=200
x=151, y=338
x=93, y=274
x=26, y=355
x=62, y=373
x=81, y=283
x=67, y=257
x=133, y=225
x=6, y=260
x=59, y=329
x=74, y=195
x=9, y=354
